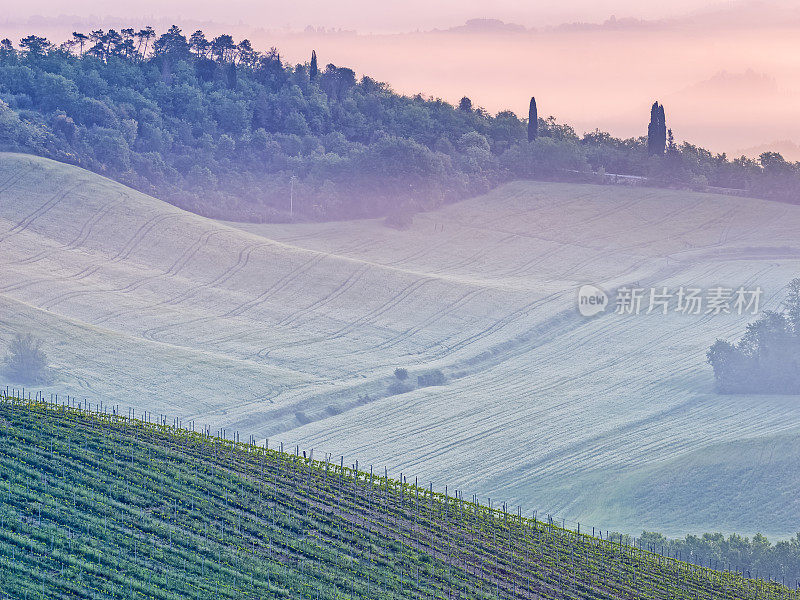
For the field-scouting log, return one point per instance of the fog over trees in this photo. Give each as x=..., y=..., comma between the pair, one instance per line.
x=221, y=128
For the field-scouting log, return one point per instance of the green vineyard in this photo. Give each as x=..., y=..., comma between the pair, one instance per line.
x=98, y=505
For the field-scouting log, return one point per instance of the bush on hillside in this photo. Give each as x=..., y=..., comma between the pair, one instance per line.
x=435, y=377
x=26, y=362
x=767, y=358
x=401, y=218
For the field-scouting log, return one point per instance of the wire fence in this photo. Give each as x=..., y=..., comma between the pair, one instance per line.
x=501, y=510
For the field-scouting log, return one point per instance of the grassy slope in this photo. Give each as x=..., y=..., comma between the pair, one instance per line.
x=755, y=476
x=98, y=507
x=279, y=330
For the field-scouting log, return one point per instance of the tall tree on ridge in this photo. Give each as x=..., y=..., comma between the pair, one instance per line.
x=533, y=121
x=199, y=43
x=145, y=35
x=98, y=38
x=657, y=130
x=313, y=69
x=80, y=39
x=35, y=45
x=128, y=48
x=223, y=48
x=245, y=54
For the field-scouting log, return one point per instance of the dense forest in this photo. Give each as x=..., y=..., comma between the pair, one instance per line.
x=224, y=130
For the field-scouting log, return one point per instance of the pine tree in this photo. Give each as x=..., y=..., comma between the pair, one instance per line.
x=533, y=121
x=313, y=69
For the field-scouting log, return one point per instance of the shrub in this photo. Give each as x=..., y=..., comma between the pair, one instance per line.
x=401, y=374
x=399, y=387
x=26, y=362
x=435, y=377
x=400, y=218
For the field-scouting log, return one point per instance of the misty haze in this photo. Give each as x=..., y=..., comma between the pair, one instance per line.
x=357, y=301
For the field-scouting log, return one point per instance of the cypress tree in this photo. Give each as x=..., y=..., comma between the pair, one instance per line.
x=313, y=70
x=533, y=121
x=651, y=128
x=657, y=130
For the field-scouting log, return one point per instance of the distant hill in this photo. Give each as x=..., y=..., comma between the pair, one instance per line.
x=94, y=505
x=488, y=26
x=787, y=148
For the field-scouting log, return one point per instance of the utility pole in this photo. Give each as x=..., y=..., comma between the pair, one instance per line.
x=291, y=197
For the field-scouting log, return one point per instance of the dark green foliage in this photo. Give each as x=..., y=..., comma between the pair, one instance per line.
x=313, y=69
x=221, y=129
x=35, y=46
x=657, y=131
x=98, y=506
x=533, y=121
x=767, y=359
x=546, y=157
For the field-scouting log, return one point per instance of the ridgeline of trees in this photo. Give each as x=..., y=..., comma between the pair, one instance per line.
x=221, y=129
x=767, y=359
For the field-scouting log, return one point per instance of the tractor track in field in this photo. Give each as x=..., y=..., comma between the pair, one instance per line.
x=337, y=292
x=276, y=287
x=361, y=321
x=42, y=210
x=80, y=239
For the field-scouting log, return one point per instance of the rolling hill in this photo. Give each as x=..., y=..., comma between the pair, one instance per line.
x=292, y=333
x=96, y=505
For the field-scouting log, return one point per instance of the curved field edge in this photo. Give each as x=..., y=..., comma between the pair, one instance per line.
x=98, y=505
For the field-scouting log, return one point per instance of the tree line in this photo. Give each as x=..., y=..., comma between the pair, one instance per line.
x=756, y=556
x=223, y=129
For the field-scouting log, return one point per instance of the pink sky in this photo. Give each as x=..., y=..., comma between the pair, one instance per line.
x=365, y=15
x=728, y=72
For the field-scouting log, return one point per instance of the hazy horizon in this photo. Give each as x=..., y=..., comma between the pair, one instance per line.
x=394, y=17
